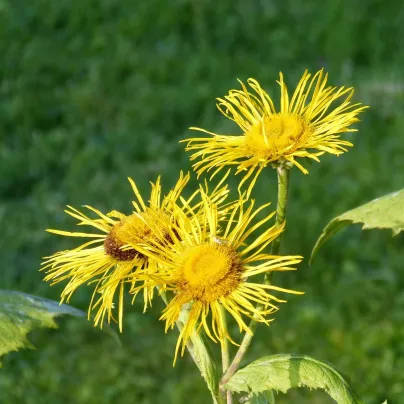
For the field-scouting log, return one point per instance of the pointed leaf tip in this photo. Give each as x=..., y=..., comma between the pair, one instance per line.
x=386, y=212
x=20, y=313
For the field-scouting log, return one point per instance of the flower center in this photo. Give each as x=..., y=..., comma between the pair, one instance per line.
x=130, y=230
x=276, y=135
x=210, y=271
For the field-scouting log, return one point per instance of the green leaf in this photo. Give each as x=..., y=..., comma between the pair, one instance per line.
x=285, y=371
x=20, y=313
x=204, y=359
x=202, y=356
x=266, y=397
x=386, y=212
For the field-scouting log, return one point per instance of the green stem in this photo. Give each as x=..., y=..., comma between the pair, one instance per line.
x=239, y=355
x=225, y=355
x=229, y=397
x=283, y=184
x=226, y=359
x=201, y=355
x=283, y=188
x=225, y=344
x=206, y=364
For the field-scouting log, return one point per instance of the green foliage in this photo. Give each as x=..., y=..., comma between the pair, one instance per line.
x=262, y=398
x=283, y=372
x=386, y=212
x=92, y=92
x=203, y=357
x=206, y=365
x=20, y=313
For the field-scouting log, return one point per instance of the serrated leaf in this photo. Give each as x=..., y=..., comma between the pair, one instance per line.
x=285, y=371
x=386, y=212
x=20, y=313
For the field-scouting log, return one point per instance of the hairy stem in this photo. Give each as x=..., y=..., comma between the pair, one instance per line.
x=225, y=366
x=225, y=355
x=283, y=184
x=225, y=347
x=226, y=360
x=283, y=188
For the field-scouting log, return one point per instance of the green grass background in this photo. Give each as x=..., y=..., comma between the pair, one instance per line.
x=92, y=91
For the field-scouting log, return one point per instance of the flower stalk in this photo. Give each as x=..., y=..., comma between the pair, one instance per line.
x=283, y=191
x=226, y=361
x=283, y=187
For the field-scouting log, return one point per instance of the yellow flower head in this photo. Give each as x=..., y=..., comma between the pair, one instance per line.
x=208, y=266
x=107, y=260
x=307, y=125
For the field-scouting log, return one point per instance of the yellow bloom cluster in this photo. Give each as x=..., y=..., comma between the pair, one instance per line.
x=197, y=251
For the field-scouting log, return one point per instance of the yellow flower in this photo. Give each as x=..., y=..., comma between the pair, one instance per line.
x=307, y=125
x=208, y=266
x=107, y=260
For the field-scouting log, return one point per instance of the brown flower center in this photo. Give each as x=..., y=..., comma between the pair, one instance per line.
x=113, y=247
x=121, y=241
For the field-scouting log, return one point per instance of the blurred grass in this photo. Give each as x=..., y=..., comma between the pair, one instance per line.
x=94, y=91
